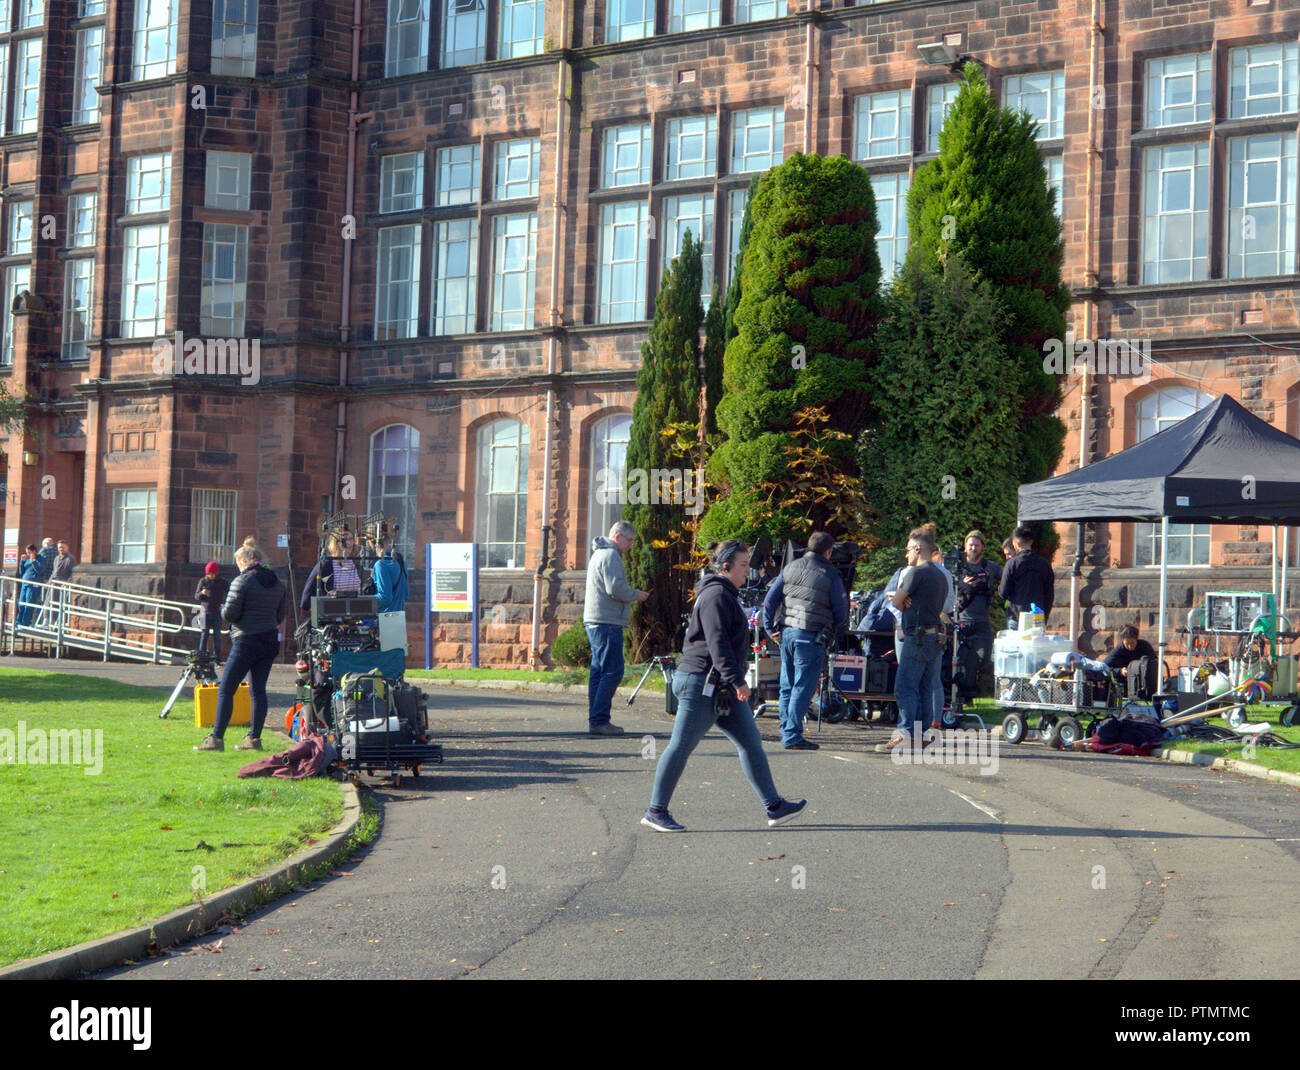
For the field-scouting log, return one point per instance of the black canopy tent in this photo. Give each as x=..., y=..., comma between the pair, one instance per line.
x=1220, y=465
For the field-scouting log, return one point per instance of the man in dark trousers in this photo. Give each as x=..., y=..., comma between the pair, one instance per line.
x=210, y=595
x=977, y=587
x=922, y=591
x=816, y=605
x=1027, y=581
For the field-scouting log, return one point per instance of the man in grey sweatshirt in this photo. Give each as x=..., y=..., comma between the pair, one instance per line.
x=606, y=612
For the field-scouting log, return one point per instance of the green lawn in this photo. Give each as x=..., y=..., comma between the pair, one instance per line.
x=83, y=855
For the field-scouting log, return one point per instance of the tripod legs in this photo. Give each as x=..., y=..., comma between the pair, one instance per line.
x=186, y=677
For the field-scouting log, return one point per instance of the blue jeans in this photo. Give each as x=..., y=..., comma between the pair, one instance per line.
x=920, y=661
x=695, y=716
x=801, y=669
x=251, y=656
x=606, y=670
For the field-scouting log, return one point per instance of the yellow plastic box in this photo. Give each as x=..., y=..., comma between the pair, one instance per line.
x=205, y=705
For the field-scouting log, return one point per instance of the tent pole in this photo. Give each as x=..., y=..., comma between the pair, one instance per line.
x=1286, y=560
x=1272, y=568
x=1164, y=589
x=1076, y=625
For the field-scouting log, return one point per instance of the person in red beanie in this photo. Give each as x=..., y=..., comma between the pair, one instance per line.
x=210, y=595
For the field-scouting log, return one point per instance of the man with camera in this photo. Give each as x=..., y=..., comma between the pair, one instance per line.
x=977, y=584
x=816, y=605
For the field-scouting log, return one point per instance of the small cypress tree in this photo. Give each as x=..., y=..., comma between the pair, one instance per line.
x=667, y=395
x=986, y=197
x=945, y=442
x=804, y=320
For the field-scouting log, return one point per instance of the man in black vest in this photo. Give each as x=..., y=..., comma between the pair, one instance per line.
x=815, y=605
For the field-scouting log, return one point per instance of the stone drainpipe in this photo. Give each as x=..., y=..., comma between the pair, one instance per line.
x=553, y=341
x=355, y=119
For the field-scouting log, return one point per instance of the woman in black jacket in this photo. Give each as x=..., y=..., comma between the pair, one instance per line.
x=713, y=659
x=255, y=607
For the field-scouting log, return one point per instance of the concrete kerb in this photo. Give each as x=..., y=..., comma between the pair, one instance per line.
x=189, y=922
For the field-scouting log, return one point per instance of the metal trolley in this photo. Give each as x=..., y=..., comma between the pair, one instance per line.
x=1067, y=709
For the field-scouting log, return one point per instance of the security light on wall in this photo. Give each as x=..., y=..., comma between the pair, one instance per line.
x=942, y=54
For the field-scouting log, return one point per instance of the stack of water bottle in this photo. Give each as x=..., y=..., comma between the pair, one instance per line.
x=1024, y=651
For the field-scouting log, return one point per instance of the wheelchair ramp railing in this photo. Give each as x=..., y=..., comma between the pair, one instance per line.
x=113, y=624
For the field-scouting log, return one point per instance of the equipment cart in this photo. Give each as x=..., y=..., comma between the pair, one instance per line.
x=1065, y=709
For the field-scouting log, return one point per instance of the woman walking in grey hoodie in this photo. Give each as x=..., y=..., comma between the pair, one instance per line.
x=254, y=608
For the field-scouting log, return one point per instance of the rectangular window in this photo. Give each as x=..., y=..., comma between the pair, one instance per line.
x=625, y=160
x=5, y=125
x=737, y=199
x=78, y=295
x=692, y=148
x=1178, y=90
x=891, y=215
x=1042, y=95
x=685, y=15
x=407, y=42
x=758, y=10
x=144, y=281
x=517, y=168
x=90, y=62
x=1264, y=79
x=234, y=37
x=18, y=238
x=31, y=13
x=397, y=283
x=455, y=282
x=1261, y=217
x=514, y=257
x=522, y=28
x=464, y=32
x=1189, y=544
x=17, y=279
x=93, y=7
x=883, y=125
x=1175, y=213
x=81, y=220
x=154, y=40
x=228, y=180
x=623, y=263
x=27, y=85
x=225, y=280
x=939, y=100
x=458, y=175
x=1056, y=180
x=148, y=183
x=134, y=518
x=757, y=139
x=693, y=212
x=629, y=20
x=212, y=525
x=401, y=182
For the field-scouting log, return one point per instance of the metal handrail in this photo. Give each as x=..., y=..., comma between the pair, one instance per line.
x=63, y=602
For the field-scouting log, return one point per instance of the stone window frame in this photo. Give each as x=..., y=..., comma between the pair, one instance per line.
x=150, y=509
x=82, y=115
x=405, y=542
x=598, y=439
x=388, y=327
x=234, y=53
x=142, y=69
x=1202, y=73
x=1234, y=233
x=1199, y=534
x=606, y=265
x=70, y=348
x=484, y=455
x=224, y=502
x=216, y=236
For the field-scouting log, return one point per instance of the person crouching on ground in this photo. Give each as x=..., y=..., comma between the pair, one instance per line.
x=713, y=660
x=255, y=609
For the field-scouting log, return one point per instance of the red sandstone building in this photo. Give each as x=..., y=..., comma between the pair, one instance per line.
x=439, y=227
